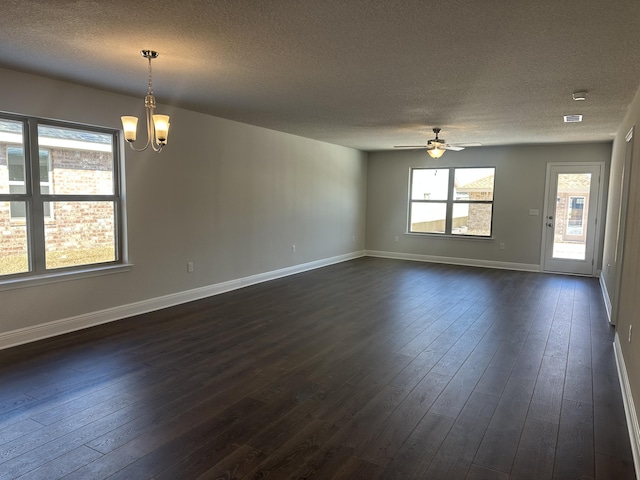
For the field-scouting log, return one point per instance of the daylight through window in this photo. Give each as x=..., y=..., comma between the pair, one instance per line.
x=451, y=201
x=59, y=207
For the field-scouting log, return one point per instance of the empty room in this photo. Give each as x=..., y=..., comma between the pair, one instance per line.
x=341, y=239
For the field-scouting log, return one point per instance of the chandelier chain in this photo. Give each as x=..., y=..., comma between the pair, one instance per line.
x=150, y=86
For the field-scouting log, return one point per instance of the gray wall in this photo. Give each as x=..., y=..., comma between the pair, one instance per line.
x=629, y=291
x=519, y=187
x=232, y=198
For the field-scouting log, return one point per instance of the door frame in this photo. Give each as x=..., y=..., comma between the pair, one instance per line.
x=597, y=210
x=625, y=185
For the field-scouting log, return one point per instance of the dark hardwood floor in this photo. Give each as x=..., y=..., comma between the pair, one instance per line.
x=369, y=369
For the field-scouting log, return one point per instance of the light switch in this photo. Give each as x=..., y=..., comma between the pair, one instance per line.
x=534, y=212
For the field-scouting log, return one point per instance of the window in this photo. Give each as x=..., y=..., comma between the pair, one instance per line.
x=15, y=158
x=576, y=216
x=60, y=209
x=451, y=201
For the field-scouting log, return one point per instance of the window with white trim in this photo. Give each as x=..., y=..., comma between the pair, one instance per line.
x=60, y=203
x=451, y=201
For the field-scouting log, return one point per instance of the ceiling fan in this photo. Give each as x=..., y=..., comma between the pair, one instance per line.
x=437, y=146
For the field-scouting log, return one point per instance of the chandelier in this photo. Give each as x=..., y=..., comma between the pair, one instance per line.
x=157, y=125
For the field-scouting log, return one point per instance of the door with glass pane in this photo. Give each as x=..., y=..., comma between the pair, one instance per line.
x=573, y=195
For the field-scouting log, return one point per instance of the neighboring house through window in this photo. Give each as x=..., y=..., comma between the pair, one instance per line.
x=60, y=208
x=572, y=207
x=452, y=201
x=15, y=158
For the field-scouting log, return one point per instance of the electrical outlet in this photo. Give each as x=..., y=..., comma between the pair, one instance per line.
x=630, y=330
x=189, y=267
x=396, y=239
x=502, y=246
x=293, y=249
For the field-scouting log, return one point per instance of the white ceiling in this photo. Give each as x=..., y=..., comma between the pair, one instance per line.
x=367, y=74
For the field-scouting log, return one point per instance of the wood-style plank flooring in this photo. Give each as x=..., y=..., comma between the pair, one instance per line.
x=369, y=369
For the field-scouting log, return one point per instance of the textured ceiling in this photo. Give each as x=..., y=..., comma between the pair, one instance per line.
x=365, y=74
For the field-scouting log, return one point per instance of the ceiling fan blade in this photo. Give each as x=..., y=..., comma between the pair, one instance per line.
x=440, y=143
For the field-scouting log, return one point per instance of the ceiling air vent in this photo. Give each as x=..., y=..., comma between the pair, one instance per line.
x=572, y=118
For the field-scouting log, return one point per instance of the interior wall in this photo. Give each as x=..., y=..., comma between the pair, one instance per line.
x=629, y=294
x=612, y=264
x=229, y=197
x=519, y=187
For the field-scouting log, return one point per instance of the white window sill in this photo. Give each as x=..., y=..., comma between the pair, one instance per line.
x=449, y=237
x=35, y=280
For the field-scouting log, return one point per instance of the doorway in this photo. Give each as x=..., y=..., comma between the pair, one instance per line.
x=571, y=215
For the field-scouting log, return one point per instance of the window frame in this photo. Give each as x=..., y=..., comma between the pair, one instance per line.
x=450, y=201
x=36, y=219
x=22, y=218
x=573, y=200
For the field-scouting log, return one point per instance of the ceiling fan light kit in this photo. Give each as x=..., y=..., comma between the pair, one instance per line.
x=436, y=152
x=437, y=146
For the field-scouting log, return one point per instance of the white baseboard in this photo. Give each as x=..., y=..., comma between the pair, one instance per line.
x=606, y=297
x=629, y=406
x=469, y=262
x=66, y=325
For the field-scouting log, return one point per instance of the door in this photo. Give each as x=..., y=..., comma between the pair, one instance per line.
x=573, y=197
